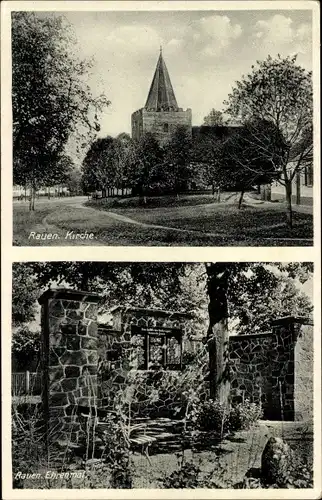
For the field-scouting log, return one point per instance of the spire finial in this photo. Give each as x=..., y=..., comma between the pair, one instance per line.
x=161, y=49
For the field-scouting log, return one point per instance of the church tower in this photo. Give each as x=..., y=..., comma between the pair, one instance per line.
x=161, y=114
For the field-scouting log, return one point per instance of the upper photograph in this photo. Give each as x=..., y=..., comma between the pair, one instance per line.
x=163, y=128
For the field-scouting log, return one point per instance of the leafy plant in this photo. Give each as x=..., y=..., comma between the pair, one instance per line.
x=212, y=416
x=186, y=476
x=244, y=415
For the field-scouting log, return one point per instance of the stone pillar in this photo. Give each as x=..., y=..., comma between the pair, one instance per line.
x=293, y=368
x=69, y=360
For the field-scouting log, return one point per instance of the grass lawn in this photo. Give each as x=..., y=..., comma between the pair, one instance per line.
x=193, y=220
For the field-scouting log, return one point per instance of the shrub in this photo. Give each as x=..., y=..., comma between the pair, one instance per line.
x=184, y=477
x=244, y=415
x=195, y=474
x=28, y=445
x=116, y=453
x=212, y=416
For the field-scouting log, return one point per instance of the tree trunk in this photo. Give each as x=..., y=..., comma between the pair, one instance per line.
x=33, y=198
x=268, y=192
x=213, y=189
x=288, y=192
x=30, y=197
x=298, y=188
x=241, y=199
x=217, y=337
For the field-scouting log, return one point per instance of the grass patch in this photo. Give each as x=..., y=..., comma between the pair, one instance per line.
x=25, y=221
x=247, y=222
x=188, y=224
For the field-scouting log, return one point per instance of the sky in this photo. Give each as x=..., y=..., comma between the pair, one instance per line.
x=206, y=52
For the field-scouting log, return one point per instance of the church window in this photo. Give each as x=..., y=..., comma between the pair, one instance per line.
x=165, y=127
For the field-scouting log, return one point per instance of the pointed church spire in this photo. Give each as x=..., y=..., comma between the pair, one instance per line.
x=161, y=95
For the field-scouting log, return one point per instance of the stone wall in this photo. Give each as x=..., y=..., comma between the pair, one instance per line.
x=86, y=368
x=137, y=124
x=161, y=124
x=69, y=359
x=134, y=322
x=125, y=368
x=274, y=369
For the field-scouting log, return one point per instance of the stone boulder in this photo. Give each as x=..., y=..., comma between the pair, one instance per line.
x=281, y=467
x=276, y=463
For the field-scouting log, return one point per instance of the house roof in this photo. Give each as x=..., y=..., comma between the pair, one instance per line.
x=161, y=95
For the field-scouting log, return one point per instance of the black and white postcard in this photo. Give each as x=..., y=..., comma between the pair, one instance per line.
x=161, y=244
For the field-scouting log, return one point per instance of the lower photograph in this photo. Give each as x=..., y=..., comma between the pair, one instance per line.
x=168, y=375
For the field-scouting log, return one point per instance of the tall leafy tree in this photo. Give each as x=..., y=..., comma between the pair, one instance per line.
x=51, y=100
x=214, y=118
x=279, y=91
x=146, y=162
x=208, y=157
x=25, y=291
x=24, y=294
x=100, y=165
x=178, y=159
x=251, y=156
x=74, y=181
x=125, y=155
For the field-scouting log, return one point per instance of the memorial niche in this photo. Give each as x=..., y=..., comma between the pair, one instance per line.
x=156, y=348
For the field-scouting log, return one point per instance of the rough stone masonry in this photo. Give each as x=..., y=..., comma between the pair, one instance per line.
x=273, y=368
x=69, y=359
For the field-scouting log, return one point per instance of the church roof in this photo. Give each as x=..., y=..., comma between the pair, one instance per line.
x=161, y=95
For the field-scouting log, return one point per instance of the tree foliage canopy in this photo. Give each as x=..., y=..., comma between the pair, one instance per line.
x=99, y=168
x=51, y=100
x=255, y=293
x=280, y=92
x=213, y=118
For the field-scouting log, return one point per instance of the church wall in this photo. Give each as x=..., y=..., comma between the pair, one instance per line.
x=160, y=123
x=137, y=124
x=156, y=121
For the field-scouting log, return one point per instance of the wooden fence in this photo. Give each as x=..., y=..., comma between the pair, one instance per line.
x=25, y=383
